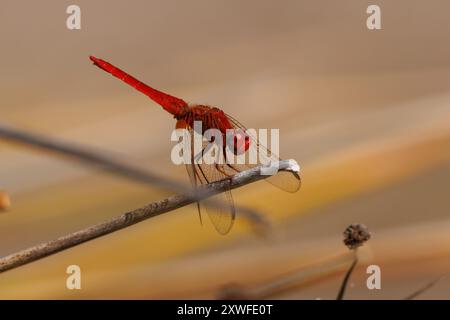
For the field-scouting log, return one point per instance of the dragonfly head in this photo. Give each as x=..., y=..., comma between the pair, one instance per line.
x=238, y=141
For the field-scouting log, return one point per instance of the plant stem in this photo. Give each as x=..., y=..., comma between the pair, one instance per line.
x=341, y=293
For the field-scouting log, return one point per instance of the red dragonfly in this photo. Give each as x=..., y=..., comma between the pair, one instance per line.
x=223, y=213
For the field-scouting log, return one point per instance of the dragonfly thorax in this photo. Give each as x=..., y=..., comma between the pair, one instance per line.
x=210, y=117
x=213, y=118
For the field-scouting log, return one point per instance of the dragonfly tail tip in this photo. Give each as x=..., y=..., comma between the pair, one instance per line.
x=94, y=59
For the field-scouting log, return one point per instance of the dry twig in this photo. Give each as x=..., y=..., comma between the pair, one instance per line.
x=425, y=288
x=127, y=219
x=86, y=156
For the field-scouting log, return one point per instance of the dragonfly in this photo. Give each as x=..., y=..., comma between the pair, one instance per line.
x=223, y=213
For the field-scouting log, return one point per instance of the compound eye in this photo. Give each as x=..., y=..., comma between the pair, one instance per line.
x=240, y=142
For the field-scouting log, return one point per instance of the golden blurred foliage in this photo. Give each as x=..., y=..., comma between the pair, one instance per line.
x=5, y=201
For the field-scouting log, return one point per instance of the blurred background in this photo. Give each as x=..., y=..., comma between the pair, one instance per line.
x=365, y=113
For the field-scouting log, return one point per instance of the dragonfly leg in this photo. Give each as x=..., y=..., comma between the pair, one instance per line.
x=226, y=162
x=203, y=174
x=230, y=166
x=218, y=168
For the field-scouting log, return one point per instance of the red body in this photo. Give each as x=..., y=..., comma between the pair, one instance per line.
x=210, y=117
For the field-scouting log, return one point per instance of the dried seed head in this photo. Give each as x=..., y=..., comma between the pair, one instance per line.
x=355, y=235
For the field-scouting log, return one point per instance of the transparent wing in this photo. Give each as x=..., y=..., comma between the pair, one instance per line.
x=220, y=207
x=194, y=180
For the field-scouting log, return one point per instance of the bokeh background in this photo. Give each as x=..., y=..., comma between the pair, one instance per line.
x=365, y=113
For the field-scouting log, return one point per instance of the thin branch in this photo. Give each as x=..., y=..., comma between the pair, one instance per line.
x=424, y=288
x=127, y=219
x=341, y=293
x=86, y=156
